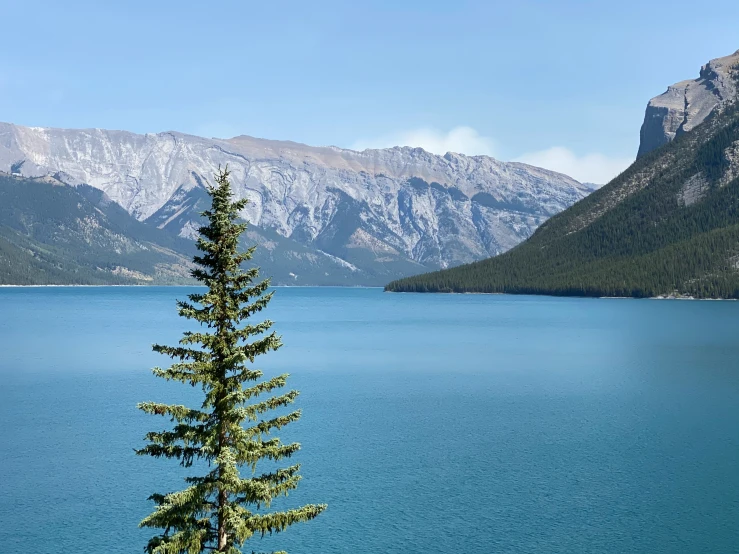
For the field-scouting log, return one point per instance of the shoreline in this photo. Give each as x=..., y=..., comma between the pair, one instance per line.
x=660, y=297
x=186, y=286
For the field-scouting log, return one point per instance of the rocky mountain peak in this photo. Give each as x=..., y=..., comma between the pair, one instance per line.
x=687, y=104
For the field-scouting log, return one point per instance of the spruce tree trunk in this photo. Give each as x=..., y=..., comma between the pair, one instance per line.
x=222, y=498
x=222, y=493
x=222, y=536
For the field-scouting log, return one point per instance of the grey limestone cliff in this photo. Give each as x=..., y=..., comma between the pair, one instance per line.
x=687, y=104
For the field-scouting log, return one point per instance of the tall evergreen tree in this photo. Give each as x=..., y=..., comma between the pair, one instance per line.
x=220, y=510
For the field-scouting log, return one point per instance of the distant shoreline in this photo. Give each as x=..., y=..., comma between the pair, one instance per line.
x=84, y=286
x=185, y=286
x=661, y=297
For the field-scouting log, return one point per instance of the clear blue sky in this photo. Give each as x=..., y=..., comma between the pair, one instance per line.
x=513, y=79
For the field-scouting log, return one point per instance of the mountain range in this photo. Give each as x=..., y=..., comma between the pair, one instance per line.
x=321, y=215
x=668, y=225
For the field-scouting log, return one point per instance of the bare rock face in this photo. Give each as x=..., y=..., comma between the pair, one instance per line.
x=687, y=104
x=398, y=210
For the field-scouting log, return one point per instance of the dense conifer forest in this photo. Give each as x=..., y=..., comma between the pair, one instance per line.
x=668, y=225
x=52, y=233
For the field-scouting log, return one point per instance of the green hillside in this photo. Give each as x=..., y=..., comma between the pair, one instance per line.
x=56, y=234
x=668, y=225
x=51, y=233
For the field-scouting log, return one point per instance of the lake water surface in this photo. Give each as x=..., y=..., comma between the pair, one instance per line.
x=432, y=423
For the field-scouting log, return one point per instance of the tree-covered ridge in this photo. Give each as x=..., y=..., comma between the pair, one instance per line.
x=56, y=234
x=230, y=431
x=668, y=224
x=52, y=233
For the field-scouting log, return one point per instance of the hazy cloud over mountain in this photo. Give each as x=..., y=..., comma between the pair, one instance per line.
x=589, y=168
x=593, y=167
x=462, y=139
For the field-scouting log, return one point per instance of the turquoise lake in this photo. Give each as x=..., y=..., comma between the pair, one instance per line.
x=432, y=423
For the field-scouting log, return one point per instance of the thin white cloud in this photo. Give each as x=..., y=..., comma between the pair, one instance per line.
x=464, y=140
x=590, y=168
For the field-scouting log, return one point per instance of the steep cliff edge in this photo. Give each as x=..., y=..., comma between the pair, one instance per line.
x=686, y=105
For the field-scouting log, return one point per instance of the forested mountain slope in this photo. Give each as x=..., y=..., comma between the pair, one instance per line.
x=51, y=233
x=668, y=225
